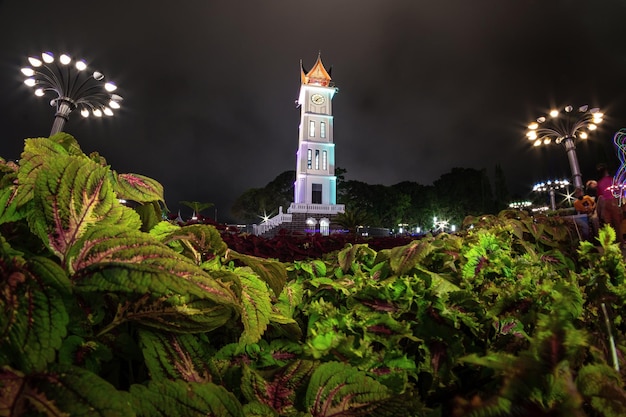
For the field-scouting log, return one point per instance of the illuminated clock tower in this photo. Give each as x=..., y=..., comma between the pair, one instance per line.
x=315, y=188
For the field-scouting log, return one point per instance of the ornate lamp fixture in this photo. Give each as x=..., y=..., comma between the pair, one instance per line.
x=74, y=87
x=563, y=127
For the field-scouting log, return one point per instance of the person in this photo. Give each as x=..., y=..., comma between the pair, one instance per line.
x=609, y=210
x=585, y=206
x=591, y=189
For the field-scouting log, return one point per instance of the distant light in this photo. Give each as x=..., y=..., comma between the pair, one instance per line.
x=30, y=82
x=84, y=113
x=81, y=65
x=554, y=113
x=48, y=58
x=110, y=87
x=65, y=59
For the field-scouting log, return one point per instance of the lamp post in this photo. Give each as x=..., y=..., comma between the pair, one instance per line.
x=564, y=127
x=75, y=87
x=550, y=187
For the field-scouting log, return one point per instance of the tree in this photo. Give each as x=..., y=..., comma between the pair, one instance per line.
x=352, y=220
x=260, y=201
x=196, y=206
x=464, y=191
x=501, y=191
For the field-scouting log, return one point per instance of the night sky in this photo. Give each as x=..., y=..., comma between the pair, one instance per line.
x=424, y=86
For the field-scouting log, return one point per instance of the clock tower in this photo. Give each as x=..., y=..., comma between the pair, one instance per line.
x=315, y=188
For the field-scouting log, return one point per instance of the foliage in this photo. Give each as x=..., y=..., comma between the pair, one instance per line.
x=257, y=202
x=108, y=310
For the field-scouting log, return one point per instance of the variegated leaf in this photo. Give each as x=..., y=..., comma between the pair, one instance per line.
x=199, y=239
x=281, y=392
x=175, y=356
x=137, y=188
x=166, y=398
x=8, y=206
x=72, y=194
x=256, y=306
x=405, y=258
x=36, y=153
x=34, y=319
x=155, y=268
x=337, y=389
x=68, y=391
x=274, y=273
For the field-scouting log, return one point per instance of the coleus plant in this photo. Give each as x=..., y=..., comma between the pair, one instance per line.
x=107, y=310
x=110, y=310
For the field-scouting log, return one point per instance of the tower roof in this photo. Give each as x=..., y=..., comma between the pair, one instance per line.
x=317, y=75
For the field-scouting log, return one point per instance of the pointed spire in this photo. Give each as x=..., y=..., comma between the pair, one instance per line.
x=317, y=75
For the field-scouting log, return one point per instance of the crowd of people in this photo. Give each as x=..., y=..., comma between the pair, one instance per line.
x=600, y=206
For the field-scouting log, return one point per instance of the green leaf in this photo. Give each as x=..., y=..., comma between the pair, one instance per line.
x=71, y=195
x=157, y=287
x=33, y=159
x=257, y=307
x=603, y=386
x=8, y=207
x=280, y=393
x=405, y=258
x=337, y=389
x=352, y=254
x=272, y=272
x=137, y=188
x=68, y=391
x=33, y=319
x=172, y=356
x=199, y=241
x=182, y=399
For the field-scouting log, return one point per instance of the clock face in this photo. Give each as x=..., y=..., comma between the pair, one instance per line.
x=318, y=99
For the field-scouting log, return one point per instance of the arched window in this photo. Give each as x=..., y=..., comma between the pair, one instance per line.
x=324, y=226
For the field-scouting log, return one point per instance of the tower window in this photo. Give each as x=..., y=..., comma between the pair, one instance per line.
x=324, y=160
x=309, y=159
x=322, y=130
x=312, y=129
x=317, y=159
x=316, y=193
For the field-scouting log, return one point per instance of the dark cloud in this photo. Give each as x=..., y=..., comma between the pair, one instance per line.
x=209, y=86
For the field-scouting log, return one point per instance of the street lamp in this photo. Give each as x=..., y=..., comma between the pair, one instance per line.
x=550, y=187
x=75, y=86
x=520, y=205
x=563, y=127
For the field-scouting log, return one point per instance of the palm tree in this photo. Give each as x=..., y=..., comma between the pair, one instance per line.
x=352, y=220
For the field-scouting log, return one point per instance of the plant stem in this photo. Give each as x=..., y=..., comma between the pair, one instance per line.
x=611, y=339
